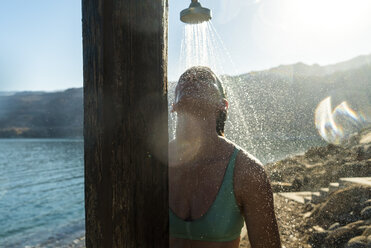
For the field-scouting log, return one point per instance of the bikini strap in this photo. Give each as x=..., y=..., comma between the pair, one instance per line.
x=230, y=168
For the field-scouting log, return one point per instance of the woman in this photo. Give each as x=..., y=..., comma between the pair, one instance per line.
x=214, y=186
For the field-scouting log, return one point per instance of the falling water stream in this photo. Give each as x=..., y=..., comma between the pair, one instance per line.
x=202, y=46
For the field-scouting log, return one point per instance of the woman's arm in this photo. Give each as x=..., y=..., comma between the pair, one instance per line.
x=256, y=198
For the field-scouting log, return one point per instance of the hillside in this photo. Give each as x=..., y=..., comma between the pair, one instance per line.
x=319, y=166
x=317, y=70
x=41, y=114
x=279, y=105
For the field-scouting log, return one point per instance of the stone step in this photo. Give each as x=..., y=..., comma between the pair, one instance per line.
x=348, y=181
x=324, y=192
x=333, y=187
x=281, y=186
x=316, y=197
x=307, y=199
x=296, y=196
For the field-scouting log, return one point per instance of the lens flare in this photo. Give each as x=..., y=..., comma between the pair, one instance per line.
x=336, y=126
x=325, y=123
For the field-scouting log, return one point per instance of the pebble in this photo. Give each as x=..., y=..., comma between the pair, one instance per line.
x=366, y=213
x=366, y=203
x=367, y=232
x=334, y=226
x=357, y=242
x=339, y=236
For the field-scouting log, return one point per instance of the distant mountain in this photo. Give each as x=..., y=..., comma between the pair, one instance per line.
x=278, y=105
x=7, y=93
x=317, y=70
x=350, y=64
x=42, y=114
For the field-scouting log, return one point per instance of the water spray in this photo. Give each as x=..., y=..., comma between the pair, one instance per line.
x=195, y=13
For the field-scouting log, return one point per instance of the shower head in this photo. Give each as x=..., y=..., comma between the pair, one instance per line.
x=195, y=13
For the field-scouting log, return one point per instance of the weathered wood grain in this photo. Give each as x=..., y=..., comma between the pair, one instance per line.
x=125, y=122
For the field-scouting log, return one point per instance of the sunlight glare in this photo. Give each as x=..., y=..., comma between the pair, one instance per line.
x=312, y=31
x=321, y=16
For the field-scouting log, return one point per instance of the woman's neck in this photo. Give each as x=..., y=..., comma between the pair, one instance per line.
x=191, y=127
x=196, y=134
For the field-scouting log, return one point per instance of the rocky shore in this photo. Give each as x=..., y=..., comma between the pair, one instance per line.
x=343, y=220
x=319, y=166
x=343, y=217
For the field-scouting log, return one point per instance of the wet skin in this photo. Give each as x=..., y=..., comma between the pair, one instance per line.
x=198, y=158
x=193, y=190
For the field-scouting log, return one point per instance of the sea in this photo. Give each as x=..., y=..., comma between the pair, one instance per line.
x=41, y=192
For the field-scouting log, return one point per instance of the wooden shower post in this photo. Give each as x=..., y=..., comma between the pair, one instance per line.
x=125, y=123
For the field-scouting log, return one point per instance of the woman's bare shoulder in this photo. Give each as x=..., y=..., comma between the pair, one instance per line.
x=226, y=144
x=246, y=162
x=250, y=176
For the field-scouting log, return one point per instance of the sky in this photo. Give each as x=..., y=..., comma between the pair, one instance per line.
x=41, y=42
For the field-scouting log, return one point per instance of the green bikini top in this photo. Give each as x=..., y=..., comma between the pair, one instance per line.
x=222, y=222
